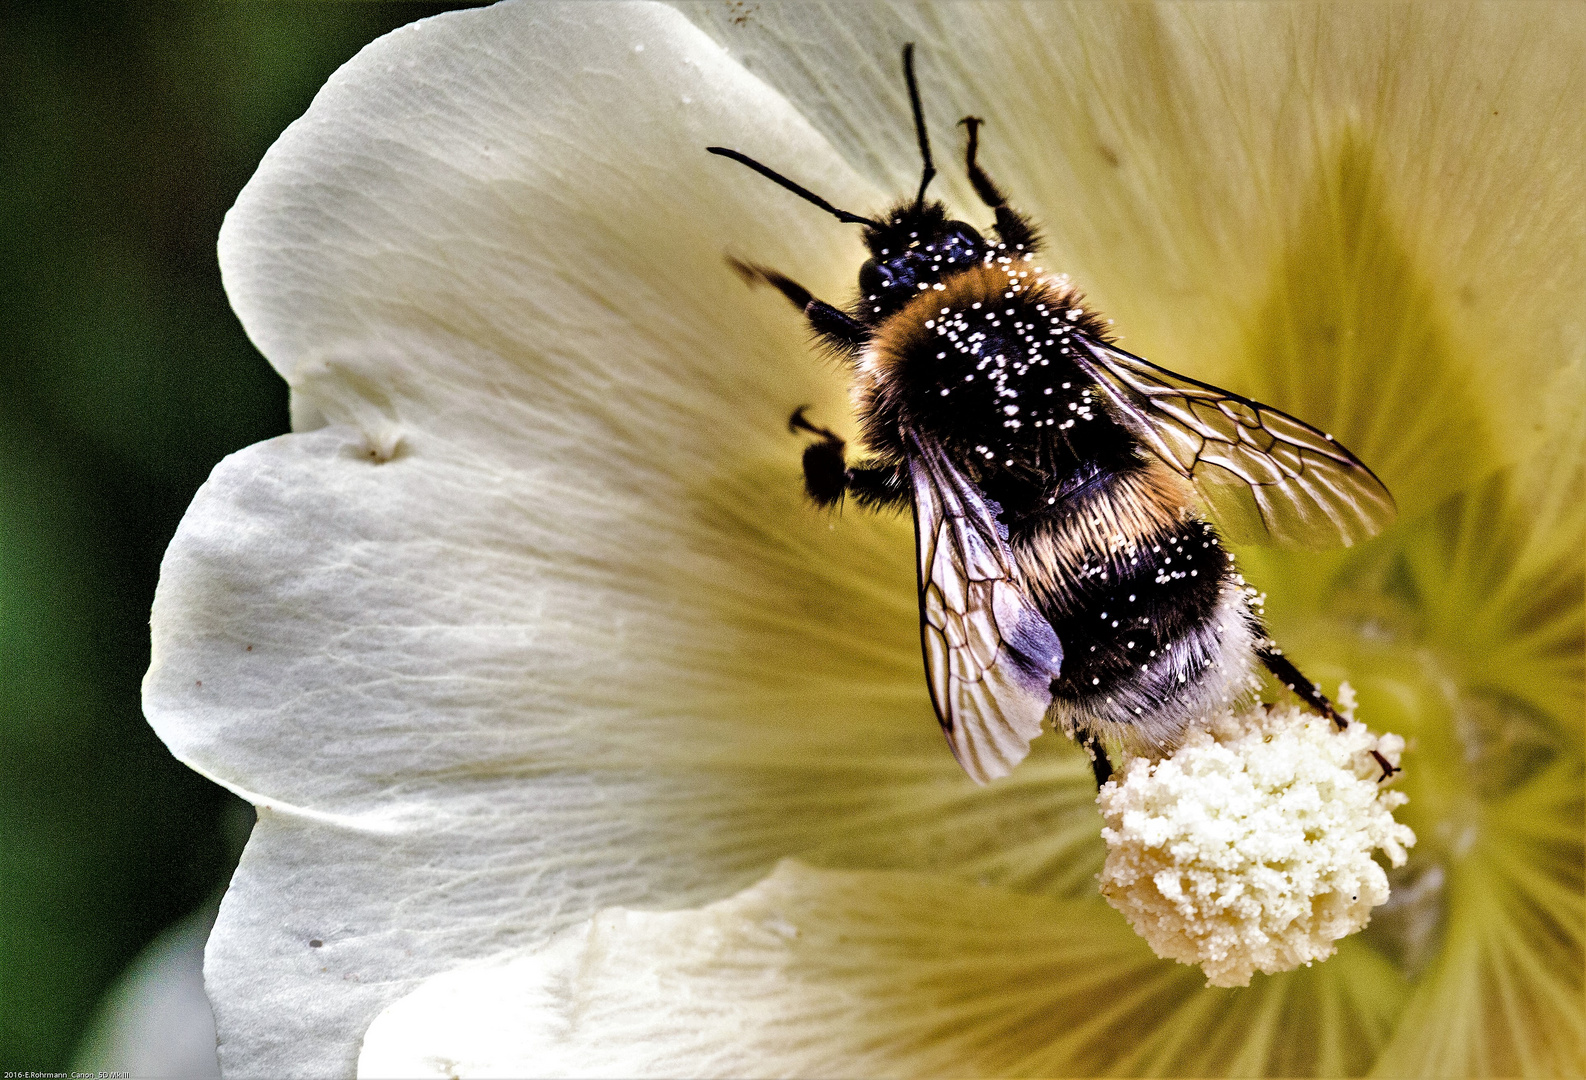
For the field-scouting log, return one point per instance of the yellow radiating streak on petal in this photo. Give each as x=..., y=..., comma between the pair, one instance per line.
x=1355, y=337
x=1506, y=996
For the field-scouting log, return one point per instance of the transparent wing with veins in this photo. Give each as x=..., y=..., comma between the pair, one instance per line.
x=1264, y=475
x=990, y=656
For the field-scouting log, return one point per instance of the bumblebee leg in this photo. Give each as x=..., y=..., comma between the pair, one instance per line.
x=827, y=476
x=1290, y=676
x=825, y=462
x=1388, y=767
x=836, y=328
x=1099, y=763
x=1013, y=227
x=878, y=486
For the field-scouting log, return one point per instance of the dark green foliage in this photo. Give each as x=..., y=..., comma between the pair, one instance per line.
x=125, y=133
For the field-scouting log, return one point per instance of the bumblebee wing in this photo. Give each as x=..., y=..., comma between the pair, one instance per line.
x=1264, y=475
x=990, y=655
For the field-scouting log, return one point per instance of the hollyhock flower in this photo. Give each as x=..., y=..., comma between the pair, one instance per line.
x=580, y=744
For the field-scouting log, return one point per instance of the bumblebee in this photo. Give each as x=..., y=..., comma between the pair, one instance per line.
x=1063, y=489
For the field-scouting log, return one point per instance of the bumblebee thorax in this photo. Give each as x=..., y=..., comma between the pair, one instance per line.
x=980, y=359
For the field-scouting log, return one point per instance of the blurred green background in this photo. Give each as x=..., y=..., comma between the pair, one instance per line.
x=126, y=133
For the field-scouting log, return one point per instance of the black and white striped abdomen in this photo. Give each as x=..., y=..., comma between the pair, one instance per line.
x=1156, y=624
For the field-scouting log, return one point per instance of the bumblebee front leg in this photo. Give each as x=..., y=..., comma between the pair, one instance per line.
x=1013, y=227
x=836, y=328
x=828, y=477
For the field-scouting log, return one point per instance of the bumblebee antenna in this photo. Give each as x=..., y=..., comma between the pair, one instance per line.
x=801, y=192
x=919, y=124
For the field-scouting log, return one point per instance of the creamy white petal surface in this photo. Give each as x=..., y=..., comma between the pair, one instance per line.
x=538, y=622
x=855, y=973
x=155, y=1020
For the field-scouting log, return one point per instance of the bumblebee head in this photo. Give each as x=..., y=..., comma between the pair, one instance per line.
x=915, y=246
x=918, y=244
x=911, y=252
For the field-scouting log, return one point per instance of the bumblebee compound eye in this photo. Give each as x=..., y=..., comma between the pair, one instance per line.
x=874, y=279
x=959, y=236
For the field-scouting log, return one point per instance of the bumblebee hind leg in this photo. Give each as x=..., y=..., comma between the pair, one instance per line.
x=1290, y=676
x=1100, y=765
x=1013, y=227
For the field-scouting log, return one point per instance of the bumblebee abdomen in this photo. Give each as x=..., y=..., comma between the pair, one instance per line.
x=1155, y=622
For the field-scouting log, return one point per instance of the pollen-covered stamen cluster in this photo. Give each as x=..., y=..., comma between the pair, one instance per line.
x=1250, y=847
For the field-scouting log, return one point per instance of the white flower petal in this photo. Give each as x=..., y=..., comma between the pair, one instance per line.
x=466, y=725
x=1373, y=216
x=823, y=973
x=537, y=621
